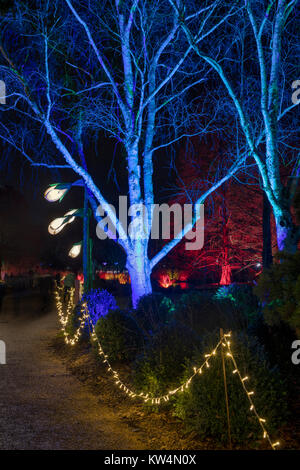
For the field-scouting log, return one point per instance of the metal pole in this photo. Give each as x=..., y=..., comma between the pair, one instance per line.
x=91, y=270
x=85, y=242
x=226, y=392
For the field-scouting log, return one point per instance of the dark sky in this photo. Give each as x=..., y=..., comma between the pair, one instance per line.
x=40, y=213
x=111, y=179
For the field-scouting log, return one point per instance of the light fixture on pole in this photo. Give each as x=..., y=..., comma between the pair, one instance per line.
x=56, y=191
x=75, y=250
x=58, y=224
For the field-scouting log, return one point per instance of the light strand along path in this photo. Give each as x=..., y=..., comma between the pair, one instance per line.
x=42, y=406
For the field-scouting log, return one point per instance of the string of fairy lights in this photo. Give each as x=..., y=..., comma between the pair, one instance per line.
x=249, y=394
x=146, y=397
x=64, y=318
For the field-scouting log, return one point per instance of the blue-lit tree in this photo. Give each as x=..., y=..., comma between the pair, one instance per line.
x=124, y=70
x=255, y=58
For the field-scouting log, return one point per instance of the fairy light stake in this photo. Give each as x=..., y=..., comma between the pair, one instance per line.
x=225, y=389
x=146, y=397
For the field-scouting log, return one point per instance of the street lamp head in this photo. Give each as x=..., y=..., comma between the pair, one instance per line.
x=68, y=214
x=75, y=250
x=54, y=194
x=58, y=224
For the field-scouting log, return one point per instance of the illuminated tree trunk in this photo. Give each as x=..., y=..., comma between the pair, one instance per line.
x=226, y=275
x=138, y=266
x=226, y=268
x=287, y=232
x=270, y=66
x=267, y=235
x=132, y=100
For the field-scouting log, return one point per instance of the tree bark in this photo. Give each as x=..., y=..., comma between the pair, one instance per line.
x=226, y=277
x=267, y=257
x=138, y=266
x=287, y=232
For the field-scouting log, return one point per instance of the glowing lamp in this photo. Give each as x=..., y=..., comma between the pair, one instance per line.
x=54, y=194
x=58, y=224
x=75, y=250
x=68, y=214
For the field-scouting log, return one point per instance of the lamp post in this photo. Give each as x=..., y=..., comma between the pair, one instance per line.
x=87, y=245
x=56, y=192
x=75, y=250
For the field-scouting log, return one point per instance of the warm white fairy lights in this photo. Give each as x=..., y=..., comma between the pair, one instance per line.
x=64, y=318
x=85, y=318
x=249, y=394
x=146, y=397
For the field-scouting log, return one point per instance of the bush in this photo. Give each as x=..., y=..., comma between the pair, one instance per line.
x=119, y=335
x=203, y=313
x=202, y=407
x=154, y=311
x=162, y=363
x=279, y=291
x=99, y=303
x=243, y=299
x=277, y=340
x=73, y=324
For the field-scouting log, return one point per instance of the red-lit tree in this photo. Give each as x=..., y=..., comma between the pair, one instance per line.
x=255, y=59
x=233, y=218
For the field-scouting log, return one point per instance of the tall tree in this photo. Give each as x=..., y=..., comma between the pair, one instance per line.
x=123, y=69
x=233, y=213
x=255, y=58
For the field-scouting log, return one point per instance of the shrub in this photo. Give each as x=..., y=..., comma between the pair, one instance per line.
x=74, y=323
x=162, y=362
x=201, y=312
x=279, y=291
x=242, y=297
x=119, y=335
x=99, y=303
x=202, y=406
x=154, y=311
x=277, y=340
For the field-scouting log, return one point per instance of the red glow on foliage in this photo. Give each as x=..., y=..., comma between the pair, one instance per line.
x=165, y=281
x=122, y=278
x=183, y=285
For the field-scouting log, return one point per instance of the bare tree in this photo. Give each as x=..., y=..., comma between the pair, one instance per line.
x=229, y=211
x=123, y=69
x=254, y=56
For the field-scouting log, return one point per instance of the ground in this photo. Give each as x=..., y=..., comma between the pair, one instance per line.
x=44, y=405
x=54, y=396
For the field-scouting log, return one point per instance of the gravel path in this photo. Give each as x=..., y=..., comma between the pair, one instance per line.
x=42, y=406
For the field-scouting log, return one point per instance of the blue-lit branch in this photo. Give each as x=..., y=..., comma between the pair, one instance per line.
x=267, y=31
x=125, y=69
